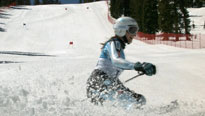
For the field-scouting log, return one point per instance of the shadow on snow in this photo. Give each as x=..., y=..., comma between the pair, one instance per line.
x=3, y=16
x=8, y=62
x=25, y=53
x=19, y=8
x=6, y=16
x=2, y=30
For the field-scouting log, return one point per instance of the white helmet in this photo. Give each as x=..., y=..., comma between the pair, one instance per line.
x=125, y=24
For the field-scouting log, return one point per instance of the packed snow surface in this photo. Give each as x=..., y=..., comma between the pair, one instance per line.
x=42, y=74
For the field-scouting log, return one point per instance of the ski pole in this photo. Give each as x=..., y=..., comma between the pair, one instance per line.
x=140, y=74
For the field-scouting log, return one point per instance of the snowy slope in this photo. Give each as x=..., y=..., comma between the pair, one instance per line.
x=42, y=75
x=198, y=19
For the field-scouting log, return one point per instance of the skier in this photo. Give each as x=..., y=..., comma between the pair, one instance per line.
x=104, y=84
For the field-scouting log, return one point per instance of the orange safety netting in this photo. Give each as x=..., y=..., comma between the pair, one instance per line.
x=193, y=41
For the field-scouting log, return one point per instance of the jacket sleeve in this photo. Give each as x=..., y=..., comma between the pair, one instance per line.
x=117, y=60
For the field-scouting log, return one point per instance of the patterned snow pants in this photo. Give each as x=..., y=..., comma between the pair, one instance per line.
x=101, y=87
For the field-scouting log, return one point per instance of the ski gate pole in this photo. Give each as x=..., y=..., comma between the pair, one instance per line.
x=140, y=74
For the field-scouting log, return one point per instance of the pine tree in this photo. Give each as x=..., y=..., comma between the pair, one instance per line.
x=198, y=3
x=45, y=1
x=177, y=19
x=51, y=2
x=20, y=2
x=27, y=2
x=163, y=23
x=181, y=18
x=36, y=2
x=174, y=17
x=116, y=8
x=136, y=10
x=189, y=3
x=2, y=3
x=126, y=7
x=150, y=17
x=119, y=7
x=86, y=1
x=185, y=17
x=57, y=2
x=166, y=16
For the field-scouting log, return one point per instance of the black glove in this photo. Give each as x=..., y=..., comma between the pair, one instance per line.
x=146, y=68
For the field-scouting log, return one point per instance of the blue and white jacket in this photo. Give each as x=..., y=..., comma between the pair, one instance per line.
x=112, y=59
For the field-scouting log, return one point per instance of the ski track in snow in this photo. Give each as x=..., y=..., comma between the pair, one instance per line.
x=42, y=75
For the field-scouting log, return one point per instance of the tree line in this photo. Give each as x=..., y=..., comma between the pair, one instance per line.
x=27, y=2
x=167, y=16
x=16, y=2
x=195, y=3
x=37, y=2
x=86, y=1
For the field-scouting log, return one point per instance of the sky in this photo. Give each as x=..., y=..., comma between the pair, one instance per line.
x=42, y=74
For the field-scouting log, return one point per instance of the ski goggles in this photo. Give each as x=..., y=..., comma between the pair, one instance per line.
x=132, y=30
